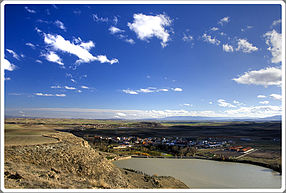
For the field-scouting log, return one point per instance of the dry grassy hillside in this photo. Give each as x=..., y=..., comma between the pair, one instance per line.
x=71, y=163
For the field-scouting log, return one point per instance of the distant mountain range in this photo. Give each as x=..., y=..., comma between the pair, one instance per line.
x=200, y=118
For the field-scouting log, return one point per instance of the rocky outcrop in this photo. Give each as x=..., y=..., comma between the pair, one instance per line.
x=71, y=163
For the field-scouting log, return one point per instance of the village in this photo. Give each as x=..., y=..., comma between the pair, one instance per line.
x=171, y=145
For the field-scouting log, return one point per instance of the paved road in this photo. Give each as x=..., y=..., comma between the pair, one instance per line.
x=251, y=151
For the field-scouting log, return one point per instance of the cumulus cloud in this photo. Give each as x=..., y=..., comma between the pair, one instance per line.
x=274, y=41
x=264, y=102
x=69, y=88
x=276, y=96
x=130, y=41
x=224, y=20
x=237, y=103
x=244, y=46
x=8, y=66
x=14, y=54
x=148, y=26
x=255, y=111
x=223, y=103
x=276, y=22
x=209, y=39
x=121, y=114
x=60, y=25
x=53, y=57
x=266, y=77
x=45, y=94
x=31, y=45
x=30, y=10
x=227, y=48
x=251, y=111
x=114, y=30
x=261, y=96
x=80, y=49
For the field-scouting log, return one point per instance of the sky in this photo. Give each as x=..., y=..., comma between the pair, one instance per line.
x=142, y=61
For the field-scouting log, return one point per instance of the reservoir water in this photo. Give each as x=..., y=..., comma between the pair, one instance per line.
x=197, y=173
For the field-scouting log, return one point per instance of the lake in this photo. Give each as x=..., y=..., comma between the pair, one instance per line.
x=198, y=173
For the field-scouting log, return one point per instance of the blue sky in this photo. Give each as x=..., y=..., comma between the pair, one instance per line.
x=142, y=61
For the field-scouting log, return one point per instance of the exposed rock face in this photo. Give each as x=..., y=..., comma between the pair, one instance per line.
x=71, y=163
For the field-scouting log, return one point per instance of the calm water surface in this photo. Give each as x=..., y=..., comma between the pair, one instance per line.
x=197, y=173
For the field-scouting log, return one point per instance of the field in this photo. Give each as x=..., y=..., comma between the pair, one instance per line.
x=21, y=134
x=265, y=137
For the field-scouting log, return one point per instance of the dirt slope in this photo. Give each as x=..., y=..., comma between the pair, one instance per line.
x=71, y=163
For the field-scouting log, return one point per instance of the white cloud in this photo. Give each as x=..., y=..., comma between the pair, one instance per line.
x=114, y=30
x=128, y=91
x=56, y=86
x=245, y=46
x=266, y=77
x=7, y=78
x=223, y=103
x=45, y=94
x=99, y=19
x=236, y=102
x=79, y=91
x=276, y=96
x=148, y=26
x=227, y=48
x=264, y=102
x=30, y=10
x=208, y=38
x=53, y=57
x=187, y=38
x=8, y=66
x=39, y=61
x=85, y=87
x=246, y=28
x=224, y=20
x=69, y=88
x=115, y=20
x=255, y=111
x=14, y=54
x=31, y=45
x=81, y=50
x=130, y=41
x=261, y=96
x=121, y=114
x=177, y=89
x=276, y=22
x=210, y=102
x=73, y=80
x=251, y=111
x=60, y=25
x=150, y=90
x=163, y=90
x=214, y=28
x=274, y=41
x=187, y=104
x=147, y=90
